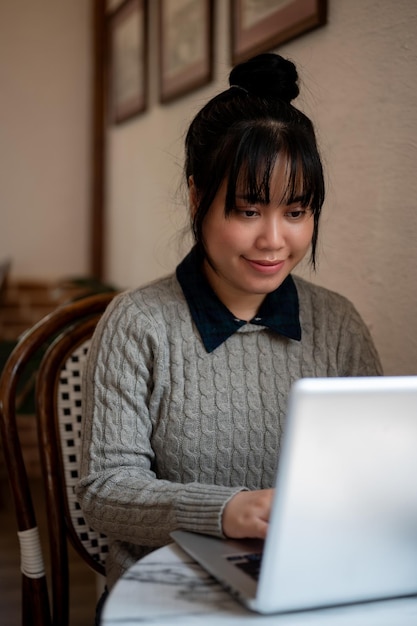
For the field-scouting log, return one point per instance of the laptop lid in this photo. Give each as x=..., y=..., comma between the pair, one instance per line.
x=344, y=522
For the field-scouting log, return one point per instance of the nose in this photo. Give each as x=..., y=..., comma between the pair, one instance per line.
x=271, y=235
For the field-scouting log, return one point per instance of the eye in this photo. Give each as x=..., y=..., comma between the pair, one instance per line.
x=248, y=212
x=297, y=214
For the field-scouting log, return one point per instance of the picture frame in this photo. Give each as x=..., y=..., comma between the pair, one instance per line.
x=185, y=46
x=127, y=60
x=261, y=25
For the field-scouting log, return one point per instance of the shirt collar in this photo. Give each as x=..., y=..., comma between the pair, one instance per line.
x=215, y=323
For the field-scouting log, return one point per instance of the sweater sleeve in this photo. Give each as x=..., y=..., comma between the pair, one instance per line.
x=119, y=491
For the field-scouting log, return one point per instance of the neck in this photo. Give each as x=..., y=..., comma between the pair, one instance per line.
x=244, y=310
x=242, y=305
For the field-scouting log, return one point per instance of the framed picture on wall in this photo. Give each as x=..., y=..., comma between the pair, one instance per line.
x=127, y=39
x=261, y=25
x=186, y=46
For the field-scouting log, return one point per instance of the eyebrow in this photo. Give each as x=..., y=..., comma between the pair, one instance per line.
x=304, y=199
x=301, y=199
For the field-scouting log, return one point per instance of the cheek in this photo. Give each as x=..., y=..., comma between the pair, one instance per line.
x=223, y=234
x=302, y=238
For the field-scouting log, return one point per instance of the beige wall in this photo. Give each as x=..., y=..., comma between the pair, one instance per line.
x=358, y=84
x=45, y=95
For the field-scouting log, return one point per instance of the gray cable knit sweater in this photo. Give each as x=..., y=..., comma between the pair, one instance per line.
x=172, y=432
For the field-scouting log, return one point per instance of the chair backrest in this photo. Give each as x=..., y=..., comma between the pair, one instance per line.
x=63, y=337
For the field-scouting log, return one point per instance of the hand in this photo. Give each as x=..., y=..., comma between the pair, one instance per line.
x=247, y=514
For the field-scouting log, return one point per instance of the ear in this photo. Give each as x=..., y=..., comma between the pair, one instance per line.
x=192, y=196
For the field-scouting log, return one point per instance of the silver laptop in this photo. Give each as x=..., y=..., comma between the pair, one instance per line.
x=343, y=528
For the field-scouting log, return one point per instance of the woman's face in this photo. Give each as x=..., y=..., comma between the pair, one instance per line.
x=254, y=248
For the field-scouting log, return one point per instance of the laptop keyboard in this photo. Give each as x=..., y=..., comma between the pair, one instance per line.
x=249, y=563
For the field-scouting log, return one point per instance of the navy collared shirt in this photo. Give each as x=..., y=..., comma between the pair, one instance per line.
x=215, y=323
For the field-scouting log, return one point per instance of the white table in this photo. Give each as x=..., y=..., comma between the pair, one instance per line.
x=167, y=588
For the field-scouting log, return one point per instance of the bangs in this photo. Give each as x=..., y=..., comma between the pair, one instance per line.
x=256, y=154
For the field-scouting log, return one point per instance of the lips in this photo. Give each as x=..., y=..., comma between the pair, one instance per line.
x=266, y=263
x=265, y=266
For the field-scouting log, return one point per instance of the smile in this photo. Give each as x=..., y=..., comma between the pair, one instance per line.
x=265, y=266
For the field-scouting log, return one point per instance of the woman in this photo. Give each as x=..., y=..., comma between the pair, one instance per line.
x=187, y=379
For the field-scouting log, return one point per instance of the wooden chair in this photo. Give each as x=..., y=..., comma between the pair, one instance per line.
x=63, y=336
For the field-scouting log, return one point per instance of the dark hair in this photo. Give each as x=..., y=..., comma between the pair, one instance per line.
x=239, y=134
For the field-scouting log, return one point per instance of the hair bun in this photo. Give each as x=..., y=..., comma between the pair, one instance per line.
x=267, y=75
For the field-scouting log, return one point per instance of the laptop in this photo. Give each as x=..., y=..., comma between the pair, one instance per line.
x=343, y=527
